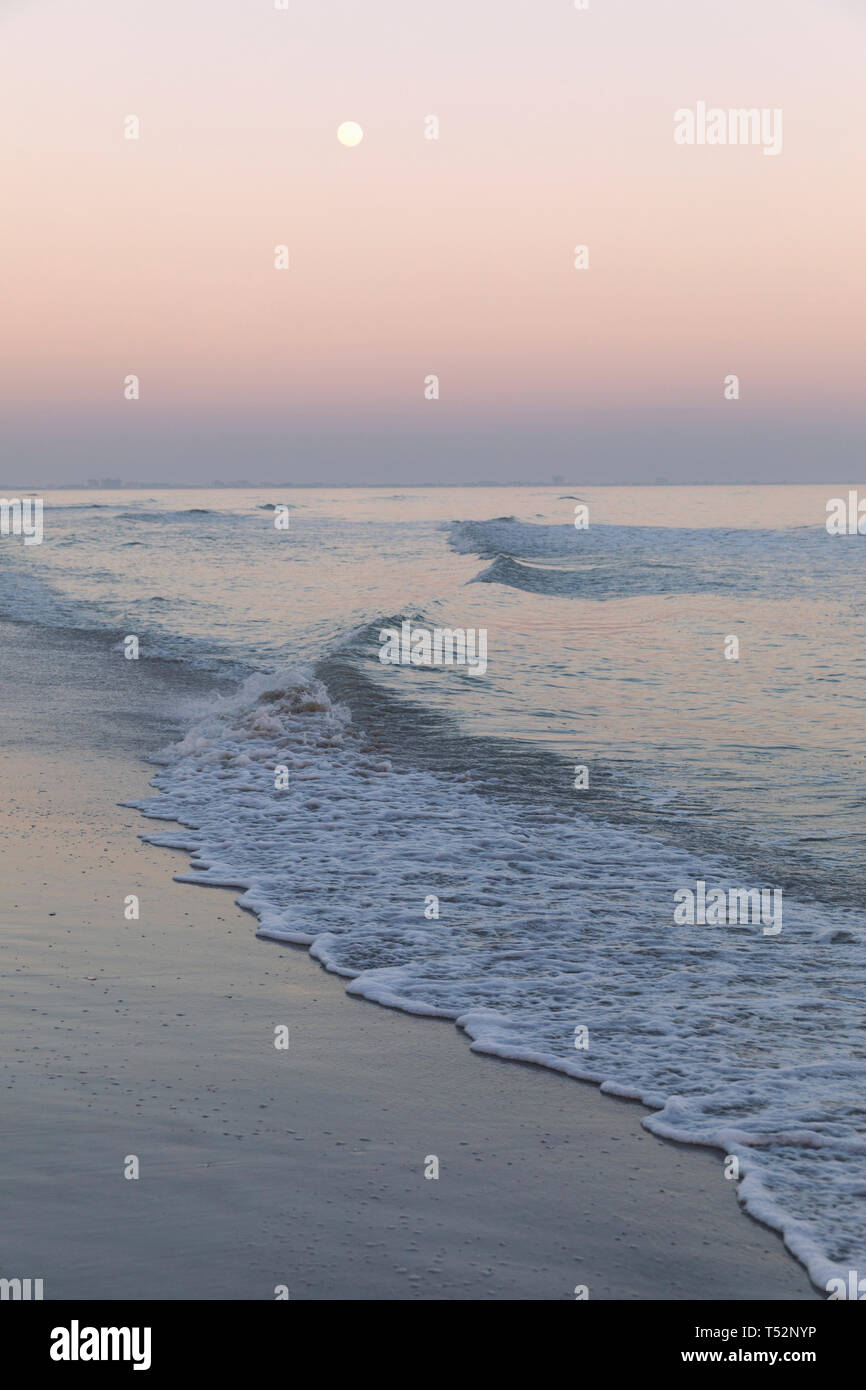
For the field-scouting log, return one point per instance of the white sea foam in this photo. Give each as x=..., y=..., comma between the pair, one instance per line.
x=546, y=922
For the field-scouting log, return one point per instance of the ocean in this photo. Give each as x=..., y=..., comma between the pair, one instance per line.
x=508, y=848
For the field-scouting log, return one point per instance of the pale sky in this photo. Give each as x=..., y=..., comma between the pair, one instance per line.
x=411, y=257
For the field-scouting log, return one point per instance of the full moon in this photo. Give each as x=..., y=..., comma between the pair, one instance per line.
x=350, y=133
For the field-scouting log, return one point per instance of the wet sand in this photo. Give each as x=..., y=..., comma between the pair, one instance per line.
x=260, y=1167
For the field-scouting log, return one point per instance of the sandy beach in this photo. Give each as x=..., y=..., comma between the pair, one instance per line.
x=305, y=1167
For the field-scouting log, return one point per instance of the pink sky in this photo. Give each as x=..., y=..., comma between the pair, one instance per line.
x=411, y=256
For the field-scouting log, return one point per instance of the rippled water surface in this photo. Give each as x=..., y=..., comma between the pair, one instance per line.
x=606, y=649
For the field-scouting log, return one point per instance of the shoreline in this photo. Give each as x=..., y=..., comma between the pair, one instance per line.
x=303, y=1168
x=517, y=1144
